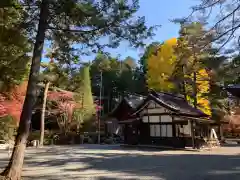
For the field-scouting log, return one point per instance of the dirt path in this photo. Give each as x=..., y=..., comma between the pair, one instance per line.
x=114, y=163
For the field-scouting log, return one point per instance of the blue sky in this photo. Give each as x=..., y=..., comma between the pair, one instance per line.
x=156, y=12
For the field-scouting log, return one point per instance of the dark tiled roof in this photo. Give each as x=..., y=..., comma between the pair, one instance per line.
x=234, y=90
x=126, y=106
x=237, y=86
x=178, y=104
x=134, y=100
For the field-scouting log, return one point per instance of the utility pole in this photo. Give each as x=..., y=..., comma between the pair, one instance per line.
x=100, y=110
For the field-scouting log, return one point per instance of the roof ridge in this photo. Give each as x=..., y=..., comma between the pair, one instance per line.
x=167, y=93
x=136, y=95
x=158, y=97
x=163, y=102
x=174, y=95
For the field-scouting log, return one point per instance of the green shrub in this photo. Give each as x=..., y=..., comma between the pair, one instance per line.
x=8, y=128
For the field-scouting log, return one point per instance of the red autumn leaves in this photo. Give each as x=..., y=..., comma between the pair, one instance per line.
x=11, y=103
x=65, y=102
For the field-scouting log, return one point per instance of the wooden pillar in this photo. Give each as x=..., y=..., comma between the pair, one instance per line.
x=173, y=128
x=193, y=134
x=209, y=132
x=125, y=132
x=220, y=132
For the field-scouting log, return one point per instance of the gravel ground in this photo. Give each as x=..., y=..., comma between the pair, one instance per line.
x=116, y=163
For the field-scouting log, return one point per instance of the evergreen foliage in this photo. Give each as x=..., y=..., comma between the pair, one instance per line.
x=84, y=96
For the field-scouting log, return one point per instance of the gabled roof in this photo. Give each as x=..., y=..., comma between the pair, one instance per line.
x=126, y=106
x=175, y=103
x=234, y=90
x=134, y=100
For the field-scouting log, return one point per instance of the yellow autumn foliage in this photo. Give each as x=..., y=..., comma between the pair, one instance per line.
x=161, y=66
x=202, y=89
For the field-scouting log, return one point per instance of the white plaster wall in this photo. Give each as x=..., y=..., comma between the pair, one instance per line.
x=154, y=119
x=144, y=111
x=158, y=134
x=156, y=110
x=153, y=107
x=158, y=106
x=166, y=118
x=155, y=130
x=185, y=129
x=151, y=104
x=152, y=130
x=169, y=131
x=163, y=130
x=145, y=119
x=166, y=131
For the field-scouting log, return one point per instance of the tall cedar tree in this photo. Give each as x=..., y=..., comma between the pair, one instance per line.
x=190, y=71
x=84, y=96
x=67, y=23
x=118, y=77
x=14, y=47
x=111, y=86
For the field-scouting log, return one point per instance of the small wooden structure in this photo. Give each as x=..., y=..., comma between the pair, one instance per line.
x=167, y=120
x=234, y=90
x=125, y=108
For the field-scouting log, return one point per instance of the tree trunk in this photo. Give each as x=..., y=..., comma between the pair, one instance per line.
x=195, y=89
x=183, y=83
x=14, y=169
x=194, y=79
x=43, y=113
x=193, y=135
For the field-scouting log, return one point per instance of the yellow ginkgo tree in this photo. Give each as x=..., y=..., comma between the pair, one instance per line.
x=174, y=63
x=160, y=66
x=202, y=87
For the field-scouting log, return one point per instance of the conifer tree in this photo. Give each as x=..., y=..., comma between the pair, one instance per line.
x=86, y=92
x=190, y=71
x=84, y=97
x=66, y=23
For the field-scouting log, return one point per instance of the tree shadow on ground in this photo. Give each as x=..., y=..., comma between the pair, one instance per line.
x=231, y=145
x=104, y=163
x=169, y=167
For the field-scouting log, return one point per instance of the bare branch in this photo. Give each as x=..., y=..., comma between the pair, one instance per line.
x=226, y=32
x=225, y=17
x=228, y=39
x=201, y=7
x=74, y=30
